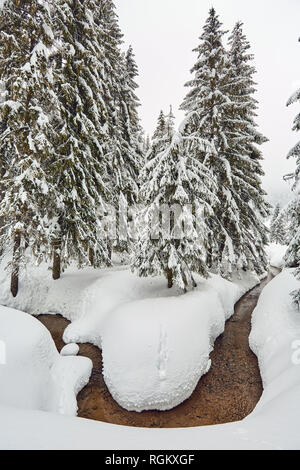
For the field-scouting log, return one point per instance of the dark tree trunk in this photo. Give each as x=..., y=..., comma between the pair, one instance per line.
x=14, y=284
x=170, y=278
x=26, y=243
x=56, y=268
x=91, y=256
x=109, y=250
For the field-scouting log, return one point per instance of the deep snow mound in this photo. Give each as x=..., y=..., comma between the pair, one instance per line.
x=156, y=350
x=32, y=373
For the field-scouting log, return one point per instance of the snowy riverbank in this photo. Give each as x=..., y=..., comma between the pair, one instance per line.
x=32, y=373
x=273, y=424
x=141, y=326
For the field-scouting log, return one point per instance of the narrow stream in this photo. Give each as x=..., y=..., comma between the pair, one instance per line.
x=229, y=392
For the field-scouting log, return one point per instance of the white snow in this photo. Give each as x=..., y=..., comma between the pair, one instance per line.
x=71, y=349
x=276, y=254
x=274, y=424
x=155, y=350
x=274, y=336
x=22, y=429
x=32, y=374
x=275, y=339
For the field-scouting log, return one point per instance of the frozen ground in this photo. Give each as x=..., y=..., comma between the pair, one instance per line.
x=155, y=342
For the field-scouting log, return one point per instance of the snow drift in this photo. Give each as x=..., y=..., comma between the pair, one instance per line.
x=32, y=373
x=275, y=339
x=156, y=350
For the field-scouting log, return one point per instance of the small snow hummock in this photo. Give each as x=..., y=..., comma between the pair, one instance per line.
x=71, y=349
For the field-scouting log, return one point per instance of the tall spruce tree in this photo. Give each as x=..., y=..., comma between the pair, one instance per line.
x=245, y=156
x=78, y=165
x=27, y=127
x=159, y=138
x=160, y=130
x=218, y=116
x=170, y=123
x=274, y=218
x=131, y=120
x=130, y=159
x=121, y=103
x=123, y=153
x=278, y=227
x=206, y=107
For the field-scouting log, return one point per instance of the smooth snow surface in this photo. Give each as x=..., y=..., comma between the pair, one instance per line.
x=71, y=349
x=33, y=375
x=275, y=339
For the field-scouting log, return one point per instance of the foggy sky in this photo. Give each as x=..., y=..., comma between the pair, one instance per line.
x=163, y=34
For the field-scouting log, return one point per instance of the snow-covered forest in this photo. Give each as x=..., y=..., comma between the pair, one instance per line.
x=140, y=273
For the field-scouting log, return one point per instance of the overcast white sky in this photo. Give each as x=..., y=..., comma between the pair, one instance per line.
x=163, y=34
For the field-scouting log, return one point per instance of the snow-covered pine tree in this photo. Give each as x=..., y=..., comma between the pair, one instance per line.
x=131, y=120
x=206, y=121
x=245, y=156
x=177, y=190
x=78, y=167
x=292, y=257
x=274, y=217
x=170, y=123
x=123, y=155
x=160, y=138
x=278, y=227
x=213, y=115
x=131, y=144
x=27, y=127
x=160, y=130
x=146, y=145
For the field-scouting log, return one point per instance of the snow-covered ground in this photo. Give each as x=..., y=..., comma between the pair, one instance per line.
x=32, y=373
x=275, y=339
x=275, y=254
x=274, y=424
x=143, y=329
x=155, y=342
